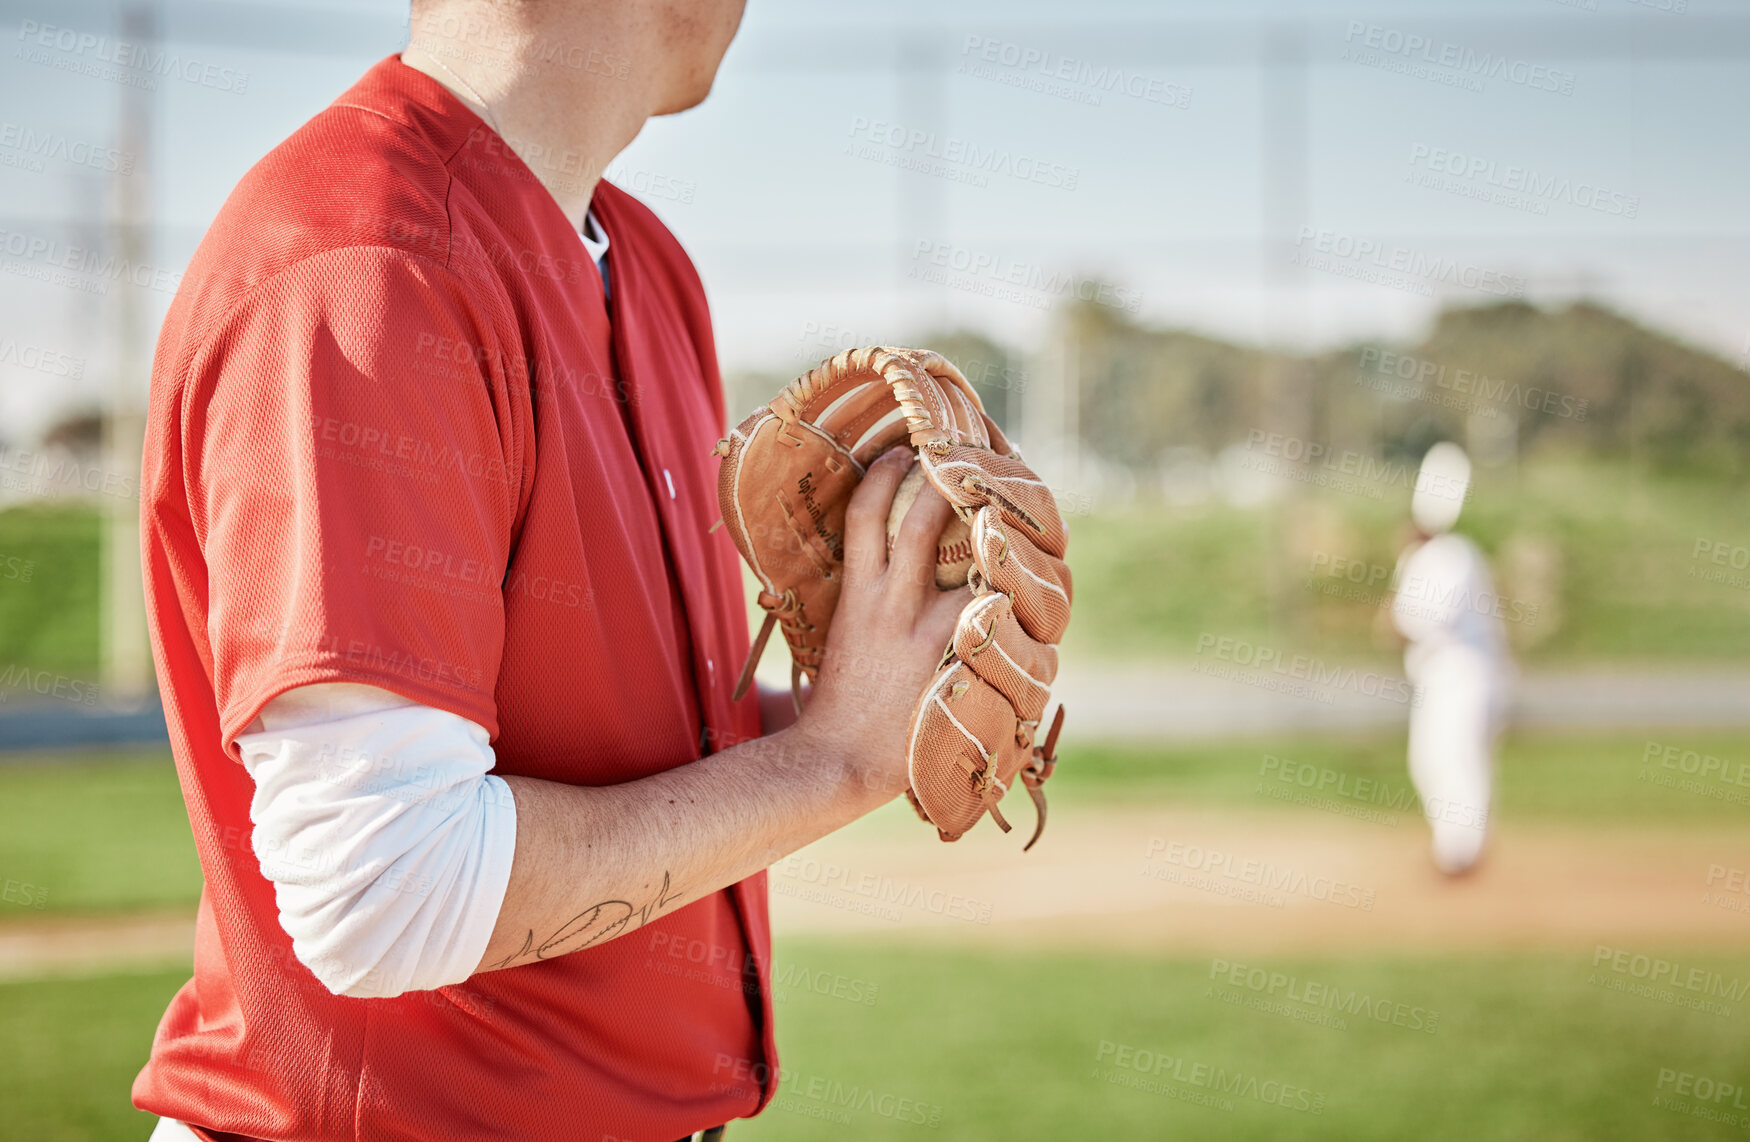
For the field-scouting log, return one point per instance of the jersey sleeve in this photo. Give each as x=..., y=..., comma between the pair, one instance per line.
x=354, y=441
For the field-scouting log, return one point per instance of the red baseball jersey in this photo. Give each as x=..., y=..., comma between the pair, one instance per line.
x=398, y=436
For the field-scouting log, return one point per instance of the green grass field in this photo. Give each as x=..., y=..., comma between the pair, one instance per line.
x=49, y=566
x=1522, y=1047
x=1150, y=579
x=69, y=1051
x=1575, y=778
x=105, y=835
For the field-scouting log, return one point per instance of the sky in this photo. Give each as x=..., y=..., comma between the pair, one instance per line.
x=1295, y=174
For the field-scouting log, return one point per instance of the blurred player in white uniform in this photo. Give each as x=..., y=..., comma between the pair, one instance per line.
x=1447, y=610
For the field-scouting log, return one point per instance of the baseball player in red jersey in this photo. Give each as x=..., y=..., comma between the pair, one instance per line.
x=446, y=642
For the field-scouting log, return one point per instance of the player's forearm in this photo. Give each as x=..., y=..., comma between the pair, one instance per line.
x=595, y=863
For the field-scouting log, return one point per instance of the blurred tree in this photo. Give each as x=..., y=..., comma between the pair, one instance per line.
x=80, y=433
x=1578, y=378
x=1145, y=391
x=1586, y=377
x=1581, y=377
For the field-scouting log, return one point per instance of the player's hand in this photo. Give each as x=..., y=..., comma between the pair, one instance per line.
x=888, y=633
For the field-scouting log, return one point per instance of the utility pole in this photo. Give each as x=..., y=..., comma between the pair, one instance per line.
x=1051, y=407
x=1288, y=399
x=920, y=197
x=126, y=653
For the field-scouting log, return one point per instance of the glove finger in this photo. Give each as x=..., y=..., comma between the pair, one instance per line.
x=965, y=420
x=974, y=477
x=963, y=754
x=968, y=419
x=1036, y=582
x=990, y=640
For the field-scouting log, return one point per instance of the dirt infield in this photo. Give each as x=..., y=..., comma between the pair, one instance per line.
x=1201, y=880
x=91, y=945
x=1173, y=881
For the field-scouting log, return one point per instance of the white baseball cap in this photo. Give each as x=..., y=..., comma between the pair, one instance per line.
x=1441, y=487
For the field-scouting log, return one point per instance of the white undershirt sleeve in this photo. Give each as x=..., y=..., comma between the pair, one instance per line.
x=388, y=843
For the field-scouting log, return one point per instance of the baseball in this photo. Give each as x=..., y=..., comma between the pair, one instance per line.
x=953, y=549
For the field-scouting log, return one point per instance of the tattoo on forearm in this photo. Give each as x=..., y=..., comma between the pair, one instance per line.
x=528, y=943
x=594, y=924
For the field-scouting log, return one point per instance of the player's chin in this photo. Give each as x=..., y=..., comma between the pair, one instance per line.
x=689, y=95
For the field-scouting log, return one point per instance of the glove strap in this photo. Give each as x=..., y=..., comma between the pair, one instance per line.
x=779, y=609
x=1038, y=771
x=753, y=657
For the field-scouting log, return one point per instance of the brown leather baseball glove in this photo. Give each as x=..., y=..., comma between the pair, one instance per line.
x=787, y=475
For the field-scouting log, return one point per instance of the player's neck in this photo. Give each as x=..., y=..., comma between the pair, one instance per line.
x=566, y=122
